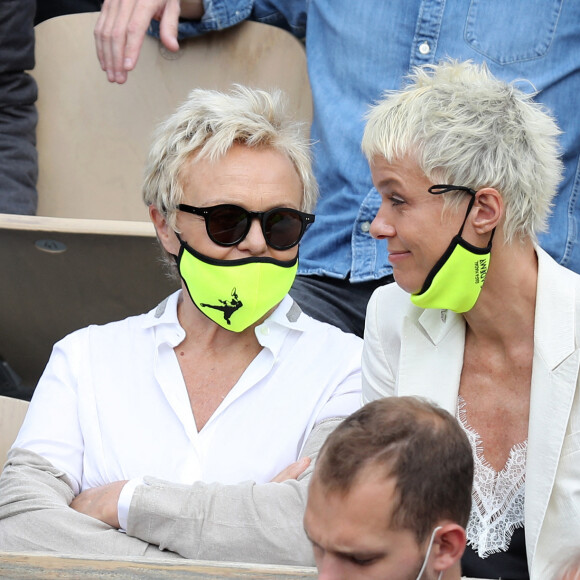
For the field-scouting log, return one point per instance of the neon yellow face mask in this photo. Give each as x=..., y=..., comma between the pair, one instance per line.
x=454, y=283
x=234, y=293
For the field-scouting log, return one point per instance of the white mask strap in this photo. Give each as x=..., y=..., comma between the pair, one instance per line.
x=428, y=554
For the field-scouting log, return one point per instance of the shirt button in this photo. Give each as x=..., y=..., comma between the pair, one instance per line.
x=424, y=48
x=365, y=226
x=265, y=330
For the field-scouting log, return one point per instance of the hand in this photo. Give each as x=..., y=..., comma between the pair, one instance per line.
x=121, y=29
x=293, y=471
x=100, y=502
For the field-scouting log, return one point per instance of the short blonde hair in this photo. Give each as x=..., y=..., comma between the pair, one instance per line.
x=465, y=127
x=208, y=124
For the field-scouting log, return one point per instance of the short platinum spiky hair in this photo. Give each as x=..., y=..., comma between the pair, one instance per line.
x=465, y=127
x=208, y=124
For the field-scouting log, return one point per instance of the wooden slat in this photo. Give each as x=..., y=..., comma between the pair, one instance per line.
x=49, y=567
x=76, y=225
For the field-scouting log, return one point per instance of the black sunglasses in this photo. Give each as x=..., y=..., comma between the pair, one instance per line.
x=228, y=225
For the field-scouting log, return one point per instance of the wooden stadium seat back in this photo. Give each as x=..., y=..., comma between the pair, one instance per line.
x=93, y=136
x=12, y=412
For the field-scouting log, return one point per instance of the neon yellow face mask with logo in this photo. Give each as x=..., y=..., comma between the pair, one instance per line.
x=234, y=293
x=455, y=281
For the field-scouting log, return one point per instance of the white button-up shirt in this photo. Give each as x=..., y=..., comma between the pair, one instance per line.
x=112, y=403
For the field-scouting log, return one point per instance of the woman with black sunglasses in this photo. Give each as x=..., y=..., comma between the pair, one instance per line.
x=218, y=389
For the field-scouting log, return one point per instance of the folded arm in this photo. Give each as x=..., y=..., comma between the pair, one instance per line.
x=35, y=514
x=244, y=522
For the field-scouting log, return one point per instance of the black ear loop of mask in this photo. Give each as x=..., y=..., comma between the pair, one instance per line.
x=457, y=239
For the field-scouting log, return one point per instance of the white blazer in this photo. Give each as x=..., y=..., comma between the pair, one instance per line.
x=412, y=351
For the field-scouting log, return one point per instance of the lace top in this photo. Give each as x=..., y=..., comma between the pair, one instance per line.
x=498, y=497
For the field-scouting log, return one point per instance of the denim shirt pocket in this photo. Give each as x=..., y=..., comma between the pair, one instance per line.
x=525, y=33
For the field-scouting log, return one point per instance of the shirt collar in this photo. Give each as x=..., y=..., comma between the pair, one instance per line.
x=270, y=334
x=286, y=317
x=163, y=319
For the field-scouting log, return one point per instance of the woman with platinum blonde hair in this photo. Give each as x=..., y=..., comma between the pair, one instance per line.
x=481, y=320
x=208, y=124
x=192, y=427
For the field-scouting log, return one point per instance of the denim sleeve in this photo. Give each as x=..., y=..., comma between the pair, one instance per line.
x=219, y=14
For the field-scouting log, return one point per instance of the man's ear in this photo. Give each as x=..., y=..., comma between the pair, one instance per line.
x=449, y=546
x=165, y=232
x=487, y=210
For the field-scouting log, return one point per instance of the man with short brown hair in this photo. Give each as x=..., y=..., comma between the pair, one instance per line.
x=391, y=494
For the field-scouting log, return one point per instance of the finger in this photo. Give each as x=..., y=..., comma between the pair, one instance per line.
x=136, y=29
x=98, y=33
x=102, y=34
x=293, y=471
x=168, y=26
x=127, y=20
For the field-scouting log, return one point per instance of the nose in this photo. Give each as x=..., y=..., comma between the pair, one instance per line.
x=254, y=242
x=381, y=227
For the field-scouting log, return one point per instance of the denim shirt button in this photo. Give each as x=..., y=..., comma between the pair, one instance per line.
x=424, y=48
x=365, y=227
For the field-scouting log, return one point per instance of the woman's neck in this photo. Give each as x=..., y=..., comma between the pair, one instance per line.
x=505, y=309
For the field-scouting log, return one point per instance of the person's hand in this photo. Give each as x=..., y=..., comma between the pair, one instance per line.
x=121, y=29
x=293, y=471
x=100, y=502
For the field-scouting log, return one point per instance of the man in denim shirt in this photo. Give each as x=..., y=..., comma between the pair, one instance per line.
x=356, y=50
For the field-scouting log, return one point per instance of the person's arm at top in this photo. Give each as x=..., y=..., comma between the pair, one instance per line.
x=122, y=26
x=120, y=32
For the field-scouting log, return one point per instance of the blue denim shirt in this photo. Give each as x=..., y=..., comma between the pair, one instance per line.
x=358, y=48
